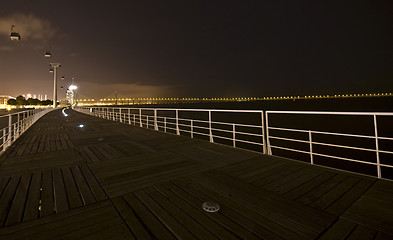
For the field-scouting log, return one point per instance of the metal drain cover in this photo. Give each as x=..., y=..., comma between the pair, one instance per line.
x=210, y=206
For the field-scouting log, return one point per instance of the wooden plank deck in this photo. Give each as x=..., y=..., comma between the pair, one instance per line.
x=109, y=180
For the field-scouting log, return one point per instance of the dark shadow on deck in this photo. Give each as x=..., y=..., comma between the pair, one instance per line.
x=109, y=180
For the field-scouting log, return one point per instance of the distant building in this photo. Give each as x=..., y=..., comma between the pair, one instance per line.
x=4, y=99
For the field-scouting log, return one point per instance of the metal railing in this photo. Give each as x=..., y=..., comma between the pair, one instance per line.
x=195, y=123
x=265, y=134
x=15, y=124
x=369, y=143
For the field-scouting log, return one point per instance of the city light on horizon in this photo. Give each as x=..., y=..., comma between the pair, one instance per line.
x=133, y=101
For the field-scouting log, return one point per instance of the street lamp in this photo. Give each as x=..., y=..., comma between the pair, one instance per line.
x=55, y=66
x=71, y=94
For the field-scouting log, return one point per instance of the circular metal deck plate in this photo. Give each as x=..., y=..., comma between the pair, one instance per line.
x=210, y=206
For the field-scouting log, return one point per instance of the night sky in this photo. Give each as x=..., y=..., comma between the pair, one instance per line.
x=198, y=48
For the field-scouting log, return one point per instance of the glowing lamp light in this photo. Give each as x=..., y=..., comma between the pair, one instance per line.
x=64, y=113
x=81, y=126
x=73, y=87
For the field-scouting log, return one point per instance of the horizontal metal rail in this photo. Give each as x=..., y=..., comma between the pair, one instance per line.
x=259, y=133
x=308, y=134
x=167, y=119
x=18, y=123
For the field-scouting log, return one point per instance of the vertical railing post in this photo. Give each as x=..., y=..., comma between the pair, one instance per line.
x=113, y=114
x=129, y=116
x=28, y=119
x=15, y=130
x=18, y=126
x=120, y=115
x=23, y=122
x=155, y=120
x=263, y=134
x=210, y=127
x=147, y=121
x=268, y=147
x=164, y=124
x=140, y=117
x=192, y=128
x=310, y=142
x=9, y=129
x=377, y=146
x=234, y=134
x=134, y=119
x=177, y=122
x=4, y=140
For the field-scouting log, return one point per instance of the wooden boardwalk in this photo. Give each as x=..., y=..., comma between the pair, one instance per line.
x=109, y=180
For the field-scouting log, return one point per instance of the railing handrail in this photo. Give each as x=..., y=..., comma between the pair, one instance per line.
x=214, y=129
x=333, y=113
x=188, y=109
x=329, y=133
x=14, y=129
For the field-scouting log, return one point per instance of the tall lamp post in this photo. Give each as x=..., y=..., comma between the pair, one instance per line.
x=55, y=66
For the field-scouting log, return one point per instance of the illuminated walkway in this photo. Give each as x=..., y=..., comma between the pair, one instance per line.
x=108, y=180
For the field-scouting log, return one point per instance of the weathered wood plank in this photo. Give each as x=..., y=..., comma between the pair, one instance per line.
x=174, y=226
x=47, y=195
x=33, y=199
x=234, y=225
x=47, y=143
x=131, y=219
x=345, y=201
x=74, y=199
x=15, y=214
x=319, y=191
x=278, y=173
x=248, y=219
x=91, y=155
x=373, y=213
x=383, y=236
x=61, y=203
x=128, y=185
x=314, y=219
x=330, y=197
x=84, y=190
x=155, y=226
x=179, y=215
x=52, y=142
x=363, y=233
x=340, y=230
x=56, y=226
x=195, y=212
x=118, y=231
x=34, y=149
x=7, y=198
x=58, y=142
x=3, y=184
x=95, y=187
x=41, y=146
x=63, y=141
x=294, y=180
x=308, y=186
